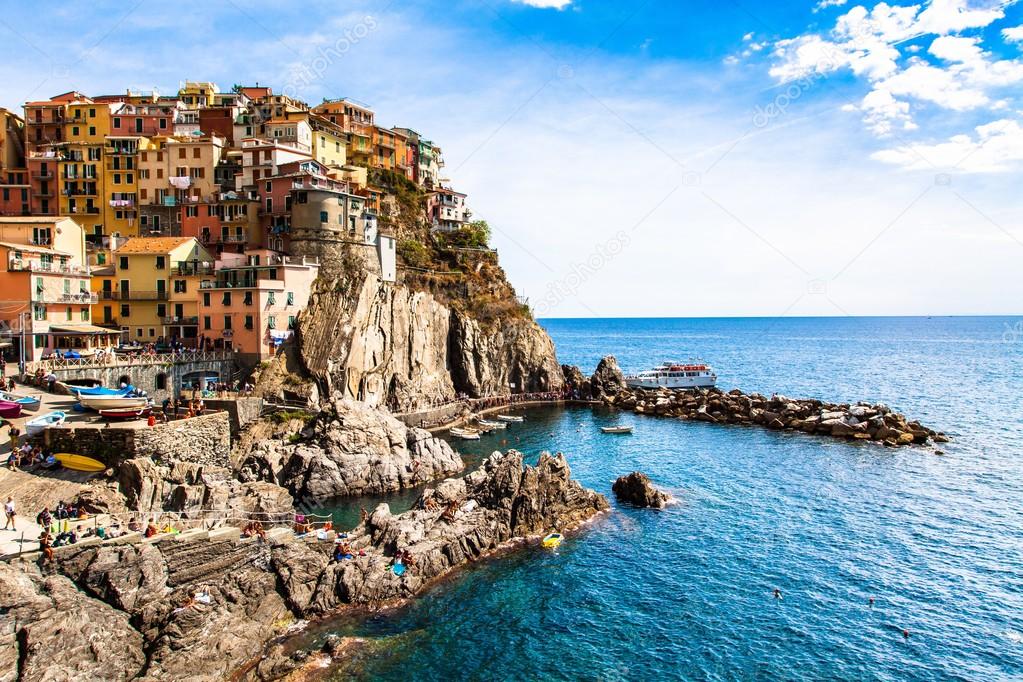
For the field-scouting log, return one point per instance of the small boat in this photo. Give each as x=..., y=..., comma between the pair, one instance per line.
x=28, y=404
x=79, y=391
x=398, y=568
x=33, y=427
x=465, y=434
x=510, y=418
x=122, y=413
x=80, y=462
x=106, y=402
x=10, y=410
x=492, y=425
x=616, y=429
x=552, y=541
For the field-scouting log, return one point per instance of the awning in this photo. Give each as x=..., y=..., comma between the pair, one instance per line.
x=83, y=329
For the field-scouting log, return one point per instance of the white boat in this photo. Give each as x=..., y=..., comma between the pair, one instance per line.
x=28, y=404
x=465, y=434
x=616, y=429
x=510, y=418
x=33, y=427
x=674, y=375
x=492, y=425
x=106, y=402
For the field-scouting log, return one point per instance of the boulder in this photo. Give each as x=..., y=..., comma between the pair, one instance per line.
x=636, y=488
x=608, y=379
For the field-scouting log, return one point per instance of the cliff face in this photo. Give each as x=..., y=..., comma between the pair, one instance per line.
x=388, y=344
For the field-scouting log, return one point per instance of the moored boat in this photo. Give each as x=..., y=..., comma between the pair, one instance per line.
x=106, y=402
x=10, y=410
x=492, y=424
x=510, y=418
x=465, y=434
x=33, y=427
x=674, y=375
x=122, y=413
x=28, y=403
x=616, y=429
x=79, y=391
x=552, y=540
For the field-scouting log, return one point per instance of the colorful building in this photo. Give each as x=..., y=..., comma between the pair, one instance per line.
x=253, y=300
x=46, y=280
x=151, y=288
x=447, y=209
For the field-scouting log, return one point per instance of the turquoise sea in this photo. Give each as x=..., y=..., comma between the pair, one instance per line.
x=686, y=593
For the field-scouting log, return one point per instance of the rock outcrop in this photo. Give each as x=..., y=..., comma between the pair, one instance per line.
x=607, y=380
x=387, y=344
x=860, y=421
x=199, y=608
x=637, y=489
x=351, y=449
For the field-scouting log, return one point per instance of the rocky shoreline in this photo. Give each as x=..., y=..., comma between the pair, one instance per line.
x=204, y=607
x=847, y=421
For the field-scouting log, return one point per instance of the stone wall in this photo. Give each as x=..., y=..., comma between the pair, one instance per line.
x=149, y=377
x=203, y=440
x=242, y=411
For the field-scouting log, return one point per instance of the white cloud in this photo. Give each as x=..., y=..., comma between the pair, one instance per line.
x=545, y=4
x=995, y=147
x=1013, y=35
x=824, y=4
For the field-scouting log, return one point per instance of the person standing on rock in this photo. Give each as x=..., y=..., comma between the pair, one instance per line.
x=9, y=513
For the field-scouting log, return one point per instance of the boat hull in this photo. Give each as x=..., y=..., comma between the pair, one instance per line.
x=670, y=382
x=10, y=410
x=113, y=403
x=80, y=462
x=33, y=427
x=125, y=414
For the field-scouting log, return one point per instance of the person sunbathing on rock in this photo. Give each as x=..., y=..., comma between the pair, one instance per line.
x=450, y=511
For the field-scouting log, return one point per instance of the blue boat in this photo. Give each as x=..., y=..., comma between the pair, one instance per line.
x=79, y=391
x=28, y=403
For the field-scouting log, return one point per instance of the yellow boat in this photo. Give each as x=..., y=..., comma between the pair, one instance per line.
x=552, y=541
x=80, y=462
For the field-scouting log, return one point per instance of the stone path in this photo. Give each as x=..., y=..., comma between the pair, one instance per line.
x=32, y=492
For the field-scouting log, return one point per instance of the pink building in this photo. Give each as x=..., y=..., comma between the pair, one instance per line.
x=253, y=300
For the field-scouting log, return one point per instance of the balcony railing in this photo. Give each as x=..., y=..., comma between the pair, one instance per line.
x=186, y=269
x=185, y=320
x=45, y=296
x=131, y=295
x=14, y=265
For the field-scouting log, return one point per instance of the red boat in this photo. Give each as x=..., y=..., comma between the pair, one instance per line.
x=126, y=414
x=9, y=410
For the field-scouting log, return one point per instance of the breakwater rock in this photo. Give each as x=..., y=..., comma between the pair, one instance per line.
x=350, y=449
x=200, y=607
x=859, y=421
x=636, y=488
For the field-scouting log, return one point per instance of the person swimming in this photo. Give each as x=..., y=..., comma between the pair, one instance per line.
x=870, y=602
x=777, y=593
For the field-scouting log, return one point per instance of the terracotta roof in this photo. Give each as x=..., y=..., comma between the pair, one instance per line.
x=152, y=245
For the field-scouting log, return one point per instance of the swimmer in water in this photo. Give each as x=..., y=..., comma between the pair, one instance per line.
x=905, y=634
x=777, y=593
x=871, y=602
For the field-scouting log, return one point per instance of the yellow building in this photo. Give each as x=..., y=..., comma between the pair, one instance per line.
x=198, y=94
x=120, y=183
x=150, y=290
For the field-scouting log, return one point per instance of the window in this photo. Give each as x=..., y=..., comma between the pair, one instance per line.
x=85, y=314
x=74, y=130
x=270, y=300
x=161, y=379
x=40, y=312
x=92, y=113
x=181, y=153
x=152, y=332
x=269, y=186
x=206, y=324
x=324, y=217
x=163, y=123
x=117, y=178
x=123, y=263
x=227, y=298
x=196, y=153
x=161, y=310
x=206, y=301
x=291, y=321
x=271, y=322
x=68, y=314
x=180, y=286
x=269, y=205
x=291, y=298
x=125, y=311
x=248, y=322
x=161, y=262
x=227, y=322
x=92, y=131
x=248, y=298
x=192, y=211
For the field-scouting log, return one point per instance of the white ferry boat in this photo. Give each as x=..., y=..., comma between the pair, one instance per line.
x=674, y=375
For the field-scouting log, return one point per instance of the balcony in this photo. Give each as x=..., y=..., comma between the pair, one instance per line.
x=46, y=296
x=122, y=203
x=130, y=295
x=44, y=175
x=186, y=269
x=231, y=239
x=15, y=265
x=188, y=321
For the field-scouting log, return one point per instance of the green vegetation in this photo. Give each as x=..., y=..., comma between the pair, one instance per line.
x=285, y=416
x=414, y=254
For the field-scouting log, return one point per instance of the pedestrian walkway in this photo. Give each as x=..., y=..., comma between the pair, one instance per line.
x=32, y=492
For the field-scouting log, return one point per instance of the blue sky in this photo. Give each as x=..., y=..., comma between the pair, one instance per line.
x=644, y=158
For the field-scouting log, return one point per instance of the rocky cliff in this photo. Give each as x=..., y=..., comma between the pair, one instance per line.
x=199, y=608
x=350, y=448
x=394, y=345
